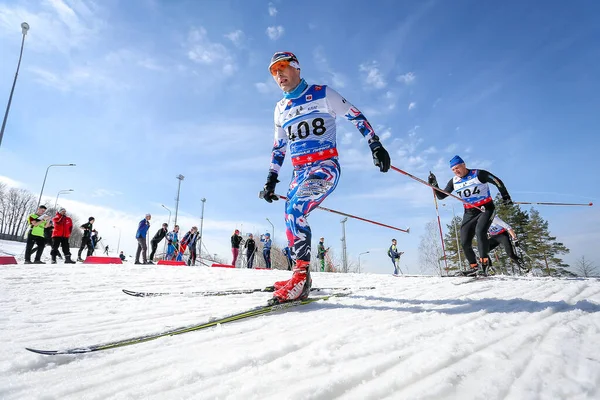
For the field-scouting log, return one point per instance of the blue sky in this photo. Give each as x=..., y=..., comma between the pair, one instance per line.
x=138, y=92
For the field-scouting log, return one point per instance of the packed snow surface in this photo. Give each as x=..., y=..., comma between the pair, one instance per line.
x=410, y=338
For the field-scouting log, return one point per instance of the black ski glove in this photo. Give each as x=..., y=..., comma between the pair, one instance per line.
x=432, y=180
x=507, y=201
x=268, y=192
x=381, y=157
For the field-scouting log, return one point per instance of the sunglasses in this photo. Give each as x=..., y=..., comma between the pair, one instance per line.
x=279, y=66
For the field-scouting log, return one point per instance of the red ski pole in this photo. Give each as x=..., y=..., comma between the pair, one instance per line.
x=482, y=208
x=407, y=230
x=437, y=211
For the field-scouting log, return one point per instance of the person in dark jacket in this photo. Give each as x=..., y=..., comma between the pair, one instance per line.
x=189, y=242
x=250, y=247
x=140, y=235
x=287, y=251
x=122, y=256
x=236, y=240
x=63, y=226
x=86, y=240
x=160, y=235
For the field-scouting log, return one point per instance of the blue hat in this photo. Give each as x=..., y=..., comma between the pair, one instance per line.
x=455, y=161
x=268, y=234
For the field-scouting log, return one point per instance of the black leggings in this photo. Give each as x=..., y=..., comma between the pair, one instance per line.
x=476, y=223
x=504, y=240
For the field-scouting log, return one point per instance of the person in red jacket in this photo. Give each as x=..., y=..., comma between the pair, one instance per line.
x=63, y=226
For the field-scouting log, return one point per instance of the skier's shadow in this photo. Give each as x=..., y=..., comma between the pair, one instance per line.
x=458, y=306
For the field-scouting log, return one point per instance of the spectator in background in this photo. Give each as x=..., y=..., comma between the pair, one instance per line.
x=140, y=235
x=250, y=247
x=236, y=240
x=106, y=250
x=173, y=243
x=37, y=222
x=63, y=227
x=86, y=240
x=321, y=252
x=122, y=256
x=266, y=239
x=395, y=256
x=287, y=251
x=95, y=238
x=188, y=241
x=158, y=237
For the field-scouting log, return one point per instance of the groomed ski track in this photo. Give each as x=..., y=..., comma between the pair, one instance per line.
x=410, y=338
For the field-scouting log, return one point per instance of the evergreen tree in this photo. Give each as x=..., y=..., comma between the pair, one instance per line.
x=543, y=248
x=453, y=249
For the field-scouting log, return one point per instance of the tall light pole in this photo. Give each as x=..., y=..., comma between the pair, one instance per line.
x=24, y=29
x=168, y=224
x=366, y=252
x=203, y=200
x=45, y=176
x=119, y=242
x=272, y=229
x=344, y=259
x=65, y=191
x=180, y=177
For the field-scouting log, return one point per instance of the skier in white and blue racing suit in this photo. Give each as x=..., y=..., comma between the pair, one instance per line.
x=472, y=185
x=305, y=118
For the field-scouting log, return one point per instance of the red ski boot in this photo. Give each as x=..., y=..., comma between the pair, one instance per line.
x=297, y=288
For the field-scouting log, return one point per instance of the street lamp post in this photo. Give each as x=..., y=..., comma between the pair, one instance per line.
x=45, y=176
x=344, y=259
x=119, y=242
x=180, y=177
x=366, y=252
x=65, y=191
x=203, y=200
x=168, y=224
x=24, y=29
x=272, y=229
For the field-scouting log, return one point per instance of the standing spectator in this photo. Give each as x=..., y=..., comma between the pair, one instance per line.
x=236, y=240
x=266, y=239
x=37, y=222
x=287, y=251
x=250, y=247
x=321, y=252
x=395, y=256
x=188, y=240
x=106, y=250
x=173, y=243
x=122, y=256
x=86, y=240
x=47, y=236
x=95, y=238
x=140, y=235
x=63, y=226
x=160, y=235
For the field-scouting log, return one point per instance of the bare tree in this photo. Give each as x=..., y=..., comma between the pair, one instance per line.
x=17, y=204
x=585, y=267
x=430, y=250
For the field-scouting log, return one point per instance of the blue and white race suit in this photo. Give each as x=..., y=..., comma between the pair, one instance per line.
x=305, y=118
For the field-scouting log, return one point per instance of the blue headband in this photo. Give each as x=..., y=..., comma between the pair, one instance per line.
x=455, y=161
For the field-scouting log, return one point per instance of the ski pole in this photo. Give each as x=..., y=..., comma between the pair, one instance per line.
x=407, y=230
x=437, y=211
x=482, y=208
x=554, y=204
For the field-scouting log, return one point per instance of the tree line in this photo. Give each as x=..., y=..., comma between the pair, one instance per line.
x=15, y=207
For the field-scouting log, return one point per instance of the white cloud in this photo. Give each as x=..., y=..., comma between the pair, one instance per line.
x=272, y=10
x=55, y=25
x=412, y=105
x=407, y=78
x=387, y=133
x=202, y=51
x=105, y=193
x=11, y=183
x=337, y=79
x=275, y=32
x=87, y=77
x=373, y=75
x=236, y=37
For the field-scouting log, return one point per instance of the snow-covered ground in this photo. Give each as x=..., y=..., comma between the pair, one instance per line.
x=410, y=338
